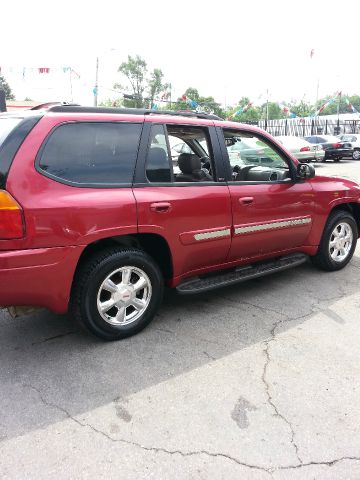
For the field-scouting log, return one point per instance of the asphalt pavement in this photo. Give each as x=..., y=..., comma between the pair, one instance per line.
x=255, y=381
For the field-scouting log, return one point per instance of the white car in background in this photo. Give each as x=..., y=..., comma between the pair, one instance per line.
x=301, y=149
x=354, y=139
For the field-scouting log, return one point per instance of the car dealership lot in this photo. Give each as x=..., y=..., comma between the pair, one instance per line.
x=258, y=380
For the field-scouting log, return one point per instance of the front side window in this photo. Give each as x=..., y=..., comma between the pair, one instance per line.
x=253, y=159
x=91, y=153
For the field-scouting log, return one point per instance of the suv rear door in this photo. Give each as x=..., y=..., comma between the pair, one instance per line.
x=194, y=217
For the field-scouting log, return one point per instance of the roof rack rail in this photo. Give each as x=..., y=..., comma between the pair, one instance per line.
x=130, y=111
x=48, y=105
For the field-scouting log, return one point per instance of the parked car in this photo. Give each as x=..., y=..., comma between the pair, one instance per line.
x=303, y=150
x=245, y=151
x=334, y=148
x=354, y=140
x=94, y=221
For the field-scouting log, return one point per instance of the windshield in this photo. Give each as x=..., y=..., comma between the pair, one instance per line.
x=6, y=125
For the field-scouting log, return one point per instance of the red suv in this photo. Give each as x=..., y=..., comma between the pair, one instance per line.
x=95, y=219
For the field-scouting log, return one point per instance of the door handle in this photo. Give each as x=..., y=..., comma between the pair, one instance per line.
x=246, y=200
x=160, y=207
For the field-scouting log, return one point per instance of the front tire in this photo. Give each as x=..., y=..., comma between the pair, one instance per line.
x=116, y=293
x=338, y=242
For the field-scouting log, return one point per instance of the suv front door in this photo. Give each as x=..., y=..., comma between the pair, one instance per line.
x=271, y=211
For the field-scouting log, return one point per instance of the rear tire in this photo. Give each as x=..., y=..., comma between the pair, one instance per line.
x=356, y=154
x=116, y=293
x=338, y=242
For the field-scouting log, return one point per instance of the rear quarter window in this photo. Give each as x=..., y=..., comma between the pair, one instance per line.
x=91, y=154
x=13, y=131
x=6, y=125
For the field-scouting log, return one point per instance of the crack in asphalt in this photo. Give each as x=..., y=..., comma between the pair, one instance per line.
x=139, y=445
x=267, y=389
x=268, y=470
x=54, y=337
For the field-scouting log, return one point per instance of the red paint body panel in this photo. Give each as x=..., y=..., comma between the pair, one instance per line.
x=57, y=214
x=40, y=277
x=198, y=222
x=193, y=209
x=272, y=203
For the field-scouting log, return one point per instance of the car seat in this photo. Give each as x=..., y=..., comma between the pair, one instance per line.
x=190, y=166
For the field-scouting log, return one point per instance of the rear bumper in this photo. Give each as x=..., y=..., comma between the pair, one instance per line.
x=38, y=277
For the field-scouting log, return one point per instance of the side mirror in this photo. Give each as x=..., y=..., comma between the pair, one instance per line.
x=305, y=171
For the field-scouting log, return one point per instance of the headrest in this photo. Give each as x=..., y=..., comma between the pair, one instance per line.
x=157, y=157
x=188, y=162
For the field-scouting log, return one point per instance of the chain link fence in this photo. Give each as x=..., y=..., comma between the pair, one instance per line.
x=305, y=127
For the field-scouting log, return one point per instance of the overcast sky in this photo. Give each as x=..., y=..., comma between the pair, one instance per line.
x=225, y=49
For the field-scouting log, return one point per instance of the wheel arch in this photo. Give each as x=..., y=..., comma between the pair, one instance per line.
x=153, y=244
x=351, y=207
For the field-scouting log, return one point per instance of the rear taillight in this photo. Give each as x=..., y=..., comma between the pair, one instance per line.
x=336, y=145
x=11, y=217
x=305, y=149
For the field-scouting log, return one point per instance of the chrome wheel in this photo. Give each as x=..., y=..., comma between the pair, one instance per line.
x=341, y=241
x=356, y=155
x=124, y=296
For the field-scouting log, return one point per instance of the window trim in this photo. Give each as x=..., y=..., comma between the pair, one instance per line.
x=82, y=184
x=168, y=155
x=12, y=143
x=140, y=179
x=230, y=181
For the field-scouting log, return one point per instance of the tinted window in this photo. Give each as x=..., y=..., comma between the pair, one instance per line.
x=92, y=153
x=13, y=132
x=348, y=138
x=6, y=125
x=157, y=162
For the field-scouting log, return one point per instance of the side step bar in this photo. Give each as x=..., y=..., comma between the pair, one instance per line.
x=240, y=274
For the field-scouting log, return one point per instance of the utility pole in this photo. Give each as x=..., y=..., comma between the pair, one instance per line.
x=96, y=88
x=338, y=114
x=267, y=105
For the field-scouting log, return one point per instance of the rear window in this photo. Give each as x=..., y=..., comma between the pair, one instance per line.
x=91, y=153
x=6, y=125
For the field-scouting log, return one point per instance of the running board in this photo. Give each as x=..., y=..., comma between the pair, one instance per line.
x=240, y=274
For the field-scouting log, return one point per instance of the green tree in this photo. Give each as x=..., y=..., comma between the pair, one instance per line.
x=207, y=104
x=191, y=94
x=355, y=101
x=251, y=114
x=272, y=111
x=6, y=87
x=110, y=102
x=301, y=109
x=135, y=70
x=156, y=85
